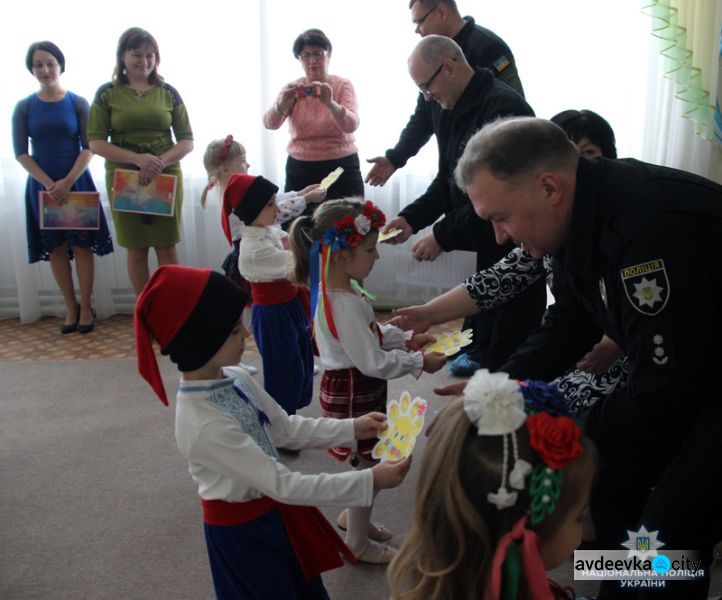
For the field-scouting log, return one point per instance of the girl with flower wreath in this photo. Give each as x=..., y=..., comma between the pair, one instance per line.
x=335, y=249
x=505, y=483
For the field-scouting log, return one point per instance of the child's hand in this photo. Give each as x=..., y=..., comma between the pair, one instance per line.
x=307, y=189
x=315, y=196
x=419, y=340
x=389, y=475
x=433, y=361
x=369, y=425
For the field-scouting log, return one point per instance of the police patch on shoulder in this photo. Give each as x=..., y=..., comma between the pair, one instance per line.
x=501, y=63
x=646, y=286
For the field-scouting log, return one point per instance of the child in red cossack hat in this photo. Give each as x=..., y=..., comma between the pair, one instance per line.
x=280, y=323
x=264, y=538
x=224, y=158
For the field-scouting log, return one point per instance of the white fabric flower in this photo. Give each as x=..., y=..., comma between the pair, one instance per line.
x=363, y=225
x=494, y=403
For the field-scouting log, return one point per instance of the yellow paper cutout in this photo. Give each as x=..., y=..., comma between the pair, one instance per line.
x=451, y=342
x=404, y=421
x=329, y=180
x=387, y=235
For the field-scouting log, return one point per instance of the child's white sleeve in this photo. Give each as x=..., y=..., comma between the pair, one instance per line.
x=265, y=262
x=290, y=205
x=222, y=447
x=295, y=431
x=394, y=338
x=358, y=336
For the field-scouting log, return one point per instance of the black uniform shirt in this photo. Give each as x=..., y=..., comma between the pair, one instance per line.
x=482, y=48
x=644, y=255
x=484, y=99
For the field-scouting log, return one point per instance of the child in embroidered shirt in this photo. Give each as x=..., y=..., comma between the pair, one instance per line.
x=227, y=157
x=506, y=481
x=264, y=538
x=280, y=323
x=357, y=353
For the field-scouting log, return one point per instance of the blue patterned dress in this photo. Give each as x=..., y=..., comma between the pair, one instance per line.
x=57, y=132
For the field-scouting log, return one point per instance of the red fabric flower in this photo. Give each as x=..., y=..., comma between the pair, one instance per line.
x=347, y=227
x=555, y=439
x=374, y=214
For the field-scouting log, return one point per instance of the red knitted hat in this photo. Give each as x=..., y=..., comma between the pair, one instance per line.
x=190, y=312
x=245, y=197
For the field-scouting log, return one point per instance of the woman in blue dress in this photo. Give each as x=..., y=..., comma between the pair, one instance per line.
x=55, y=120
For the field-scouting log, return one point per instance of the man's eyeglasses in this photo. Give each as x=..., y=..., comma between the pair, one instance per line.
x=426, y=86
x=317, y=54
x=426, y=16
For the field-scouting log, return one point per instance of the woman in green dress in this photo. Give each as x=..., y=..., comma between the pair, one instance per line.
x=133, y=122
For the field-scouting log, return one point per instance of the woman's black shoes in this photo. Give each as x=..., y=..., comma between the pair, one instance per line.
x=72, y=326
x=87, y=328
x=77, y=326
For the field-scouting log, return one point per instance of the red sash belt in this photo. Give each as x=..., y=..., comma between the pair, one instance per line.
x=272, y=292
x=314, y=541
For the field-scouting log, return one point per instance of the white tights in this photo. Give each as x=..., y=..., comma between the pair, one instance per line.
x=358, y=519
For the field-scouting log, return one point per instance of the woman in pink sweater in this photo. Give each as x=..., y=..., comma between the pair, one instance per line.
x=322, y=113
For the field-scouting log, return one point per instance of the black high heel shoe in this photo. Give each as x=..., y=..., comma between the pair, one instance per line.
x=72, y=326
x=87, y=328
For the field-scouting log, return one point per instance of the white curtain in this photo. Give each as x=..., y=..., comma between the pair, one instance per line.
x=683, y=86
x=228, y=60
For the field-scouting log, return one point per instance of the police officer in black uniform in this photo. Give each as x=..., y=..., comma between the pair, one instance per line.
x=481, y=47
x=638, y=247
x=469, y=98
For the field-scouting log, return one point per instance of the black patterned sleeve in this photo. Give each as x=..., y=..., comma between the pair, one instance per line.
x=513, y=274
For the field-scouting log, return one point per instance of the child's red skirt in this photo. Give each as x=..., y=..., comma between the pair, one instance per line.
x=349, y=393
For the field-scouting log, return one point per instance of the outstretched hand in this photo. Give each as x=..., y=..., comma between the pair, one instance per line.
x=427, y=249
x=369, y=425
x=419, y=340
x=403, y=225
x=390, y=474
x=380, y=172
x=453, y=389
x=411, y=317
x=433, y=361
x=600, y=357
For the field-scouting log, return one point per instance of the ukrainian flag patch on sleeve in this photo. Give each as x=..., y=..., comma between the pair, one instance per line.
x=501, y=63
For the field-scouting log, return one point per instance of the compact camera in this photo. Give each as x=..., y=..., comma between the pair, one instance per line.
x=305, y=90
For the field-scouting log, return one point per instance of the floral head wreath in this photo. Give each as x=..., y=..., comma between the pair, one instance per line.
x=497, y=405
x=346, y=232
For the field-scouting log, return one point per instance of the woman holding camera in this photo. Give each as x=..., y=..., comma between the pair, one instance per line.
x=322, y=113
